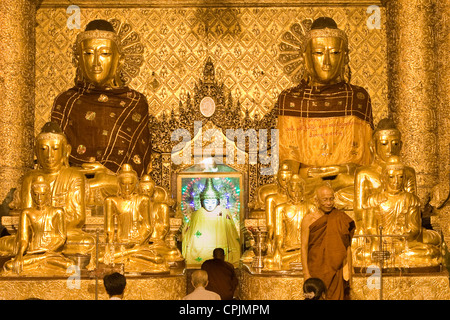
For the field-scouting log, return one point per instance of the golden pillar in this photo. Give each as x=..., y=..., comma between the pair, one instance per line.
x=442, y=38
x=412, y=86
x=17, y=55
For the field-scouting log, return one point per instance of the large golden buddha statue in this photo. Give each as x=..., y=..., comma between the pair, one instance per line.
x=386, y=142
x=325, y=123
x=67, y=186
x=41, y=236
x=105, y=121
x=288, y=219
x=397, y=212
x=128, y=227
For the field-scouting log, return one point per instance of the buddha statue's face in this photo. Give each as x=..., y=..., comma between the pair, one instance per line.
x=387, y=145
x=51, y=153
x=324, y=59
x=283, y=177
x=394, y=180
x=127, y=184
x=147, y=188
x=295, y=190
x=210, y=204
x=40, y=193
x=99, y=61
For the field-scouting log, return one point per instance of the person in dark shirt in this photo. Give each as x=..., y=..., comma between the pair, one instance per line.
x=221, y=275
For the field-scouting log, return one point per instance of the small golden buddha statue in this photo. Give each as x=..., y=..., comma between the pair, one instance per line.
x=67, y=186
x=40, y=238
x=129, y=212
x=325, y=123
x=160, y=218
x=273, y=200
x=397, y=212
x=386, y=142
x=105, y=121
x=288, y=219
x=258, y=207
x=210, y=227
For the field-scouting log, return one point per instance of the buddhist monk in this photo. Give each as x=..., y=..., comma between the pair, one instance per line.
x=326, y=237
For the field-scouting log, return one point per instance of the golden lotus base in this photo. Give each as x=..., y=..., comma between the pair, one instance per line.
x=400, y=286
x=154, y=287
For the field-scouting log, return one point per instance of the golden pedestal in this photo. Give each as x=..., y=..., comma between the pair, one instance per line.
x=155, y=287
x=289, y=286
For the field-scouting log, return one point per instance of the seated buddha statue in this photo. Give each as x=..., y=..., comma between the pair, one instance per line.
x=271, y=201
x=325, y=123
x=288, y=219
x=397, y=212
x=210, y=227
x=41, y=236
x=105, y=121
x=386, y=142
x=279, y=186
x=160, y=218
x=67, y=186
x=128, y=228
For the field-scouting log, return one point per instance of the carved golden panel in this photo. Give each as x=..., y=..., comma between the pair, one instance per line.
x=243, y=43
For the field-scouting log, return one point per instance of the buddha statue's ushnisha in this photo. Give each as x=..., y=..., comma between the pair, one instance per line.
x=40, y=237
x=210, y=227
x=105, y=121
x=325, y=123
x=128, y=227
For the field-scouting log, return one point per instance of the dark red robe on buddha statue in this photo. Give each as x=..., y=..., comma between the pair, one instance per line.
x=329, y=238
x=106, y=125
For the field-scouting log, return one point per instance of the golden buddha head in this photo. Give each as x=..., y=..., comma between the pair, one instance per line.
x=40, y=191
x=147, y=185
x=386, y=141
x=51, y=148
x=127, y=179
x=296, y=188
x=284, y=175
x=98, y=55
x=325, y=53
x=393, y=177
x=209, y=197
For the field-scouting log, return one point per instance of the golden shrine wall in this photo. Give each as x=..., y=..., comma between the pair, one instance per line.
x=242, y=42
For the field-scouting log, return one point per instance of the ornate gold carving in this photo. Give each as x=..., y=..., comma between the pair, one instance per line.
x=138, y=288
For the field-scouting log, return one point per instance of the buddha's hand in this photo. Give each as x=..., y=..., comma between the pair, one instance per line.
x=17, y=264
x=319, y=172
x=94, y=168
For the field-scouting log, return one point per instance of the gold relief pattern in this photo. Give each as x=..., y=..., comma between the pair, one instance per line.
x=408, y=287
x=243, y=44
x=148, y=288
